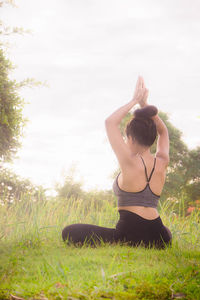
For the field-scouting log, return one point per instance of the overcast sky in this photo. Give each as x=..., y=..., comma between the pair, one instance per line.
x=90, y=52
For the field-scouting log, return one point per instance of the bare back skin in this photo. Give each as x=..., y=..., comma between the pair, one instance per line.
x=133, y=179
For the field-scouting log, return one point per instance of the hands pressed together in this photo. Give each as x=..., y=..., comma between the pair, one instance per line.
x=141, y=92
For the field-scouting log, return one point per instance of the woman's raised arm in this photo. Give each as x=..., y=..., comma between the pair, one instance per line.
x=113, y=121
x=163, y=137
x=163, y=140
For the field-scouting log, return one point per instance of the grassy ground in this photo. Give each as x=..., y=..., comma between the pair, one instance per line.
x=36, y=264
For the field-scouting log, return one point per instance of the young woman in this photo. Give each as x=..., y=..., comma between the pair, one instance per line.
x=139, y=184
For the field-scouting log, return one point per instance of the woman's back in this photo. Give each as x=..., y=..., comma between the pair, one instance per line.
x=144, y=178
x=133, y=177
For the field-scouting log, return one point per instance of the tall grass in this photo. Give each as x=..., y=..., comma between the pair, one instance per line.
x=34, y=261
x=45, y=219
x=39, y=221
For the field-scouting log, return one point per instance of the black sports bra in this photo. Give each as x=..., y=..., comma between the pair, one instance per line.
x=143, y=198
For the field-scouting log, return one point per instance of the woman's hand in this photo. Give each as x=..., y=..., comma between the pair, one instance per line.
x=143, y=101
x=140, y=90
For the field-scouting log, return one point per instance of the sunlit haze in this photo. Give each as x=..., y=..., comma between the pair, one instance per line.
x=90, y=54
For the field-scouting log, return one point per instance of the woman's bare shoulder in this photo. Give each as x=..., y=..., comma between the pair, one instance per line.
x=133, y=163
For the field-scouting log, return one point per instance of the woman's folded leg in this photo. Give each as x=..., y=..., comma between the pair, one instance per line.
x=87, y=233
x=130, y=229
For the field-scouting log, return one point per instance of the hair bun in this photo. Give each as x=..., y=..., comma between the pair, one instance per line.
x=146, y=112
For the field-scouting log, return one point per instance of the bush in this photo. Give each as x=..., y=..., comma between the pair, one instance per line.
x=13, y=188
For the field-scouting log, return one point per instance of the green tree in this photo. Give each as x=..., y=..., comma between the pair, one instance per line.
x=178, y=154
x=70, y=189
x=12, y=123
x=13, y=188
x=191, y=170
x=11, y=103
x=11, y=117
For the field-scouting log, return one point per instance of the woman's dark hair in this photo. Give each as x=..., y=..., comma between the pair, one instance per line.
x=142, y=127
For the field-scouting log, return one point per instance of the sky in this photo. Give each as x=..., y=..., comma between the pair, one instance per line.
x=90, y=53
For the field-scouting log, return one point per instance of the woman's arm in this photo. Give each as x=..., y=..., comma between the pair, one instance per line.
x=113, y=121
x=114, y=134
x=163, y=140
x=163, y=137
x=120, y=113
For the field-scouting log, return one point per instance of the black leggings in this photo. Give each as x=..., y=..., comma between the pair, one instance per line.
x=131, y=229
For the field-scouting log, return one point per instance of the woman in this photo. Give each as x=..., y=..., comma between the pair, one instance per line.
x=140, y=182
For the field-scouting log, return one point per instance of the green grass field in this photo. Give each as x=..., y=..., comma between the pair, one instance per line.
x=36, y=264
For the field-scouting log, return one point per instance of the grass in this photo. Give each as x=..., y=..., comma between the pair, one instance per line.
x=36, y=264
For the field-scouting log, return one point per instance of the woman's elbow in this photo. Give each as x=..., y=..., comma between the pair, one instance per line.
x=108, y=121
x=164, y=156
x=111, y=122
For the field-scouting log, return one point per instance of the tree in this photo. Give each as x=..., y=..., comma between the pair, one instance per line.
x=191, y=169
x=71, y=187
x=11, y=117
x=13, y=188
x=11, y=125
x=11, y=104
x=178, y=154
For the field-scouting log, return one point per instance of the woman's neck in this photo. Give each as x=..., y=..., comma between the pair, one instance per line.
x=140, y=150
